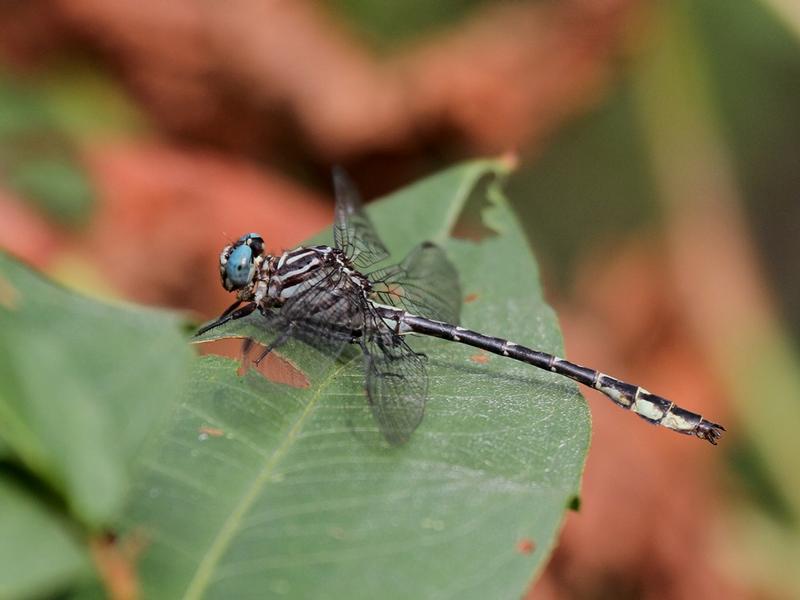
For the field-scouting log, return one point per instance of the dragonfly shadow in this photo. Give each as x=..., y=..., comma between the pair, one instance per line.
x=536, y=380
x=363, y=427
x=275, y=367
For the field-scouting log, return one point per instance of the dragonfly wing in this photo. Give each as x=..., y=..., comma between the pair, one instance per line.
x=325, y=313
x=425, y=284
x=353, y=232
x=397, y=385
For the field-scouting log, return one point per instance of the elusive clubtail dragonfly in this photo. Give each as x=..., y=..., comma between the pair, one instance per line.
x=330, y=297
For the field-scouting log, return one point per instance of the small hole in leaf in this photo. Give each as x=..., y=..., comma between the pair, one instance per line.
x=574, y=503
x=274, y=367
x=470, y=225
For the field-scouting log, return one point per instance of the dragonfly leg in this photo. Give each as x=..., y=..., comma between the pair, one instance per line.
x=229, y=315
x=278, y=341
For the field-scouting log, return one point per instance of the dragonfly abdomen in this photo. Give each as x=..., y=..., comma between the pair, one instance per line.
x=652, y=408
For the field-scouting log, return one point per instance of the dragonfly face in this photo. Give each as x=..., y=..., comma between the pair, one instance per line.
x=238, y=262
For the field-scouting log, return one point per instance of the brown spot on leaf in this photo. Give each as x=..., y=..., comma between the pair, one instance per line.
x=526, y=546
x=481, y=359
x=211, y=431
x=470, y=298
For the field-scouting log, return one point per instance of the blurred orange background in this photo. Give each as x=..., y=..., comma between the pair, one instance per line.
x=659, y=147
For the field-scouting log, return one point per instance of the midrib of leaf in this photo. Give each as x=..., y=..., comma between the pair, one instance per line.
x=222, y=541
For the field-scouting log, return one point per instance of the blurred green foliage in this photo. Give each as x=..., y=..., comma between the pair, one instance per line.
x=82, y=384
x=590, y=185
x=593, y=178
x=37, y=160
x=388, y=24
x=39, y=553
x=44, y=118
x=754, y=67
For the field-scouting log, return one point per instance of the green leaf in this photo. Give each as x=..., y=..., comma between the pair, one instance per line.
x=258, y=489
x=38, y=552
x=82, y=384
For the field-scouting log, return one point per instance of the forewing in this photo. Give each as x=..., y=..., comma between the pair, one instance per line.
x=397, y=386
x=353, y=232
x=425, y=283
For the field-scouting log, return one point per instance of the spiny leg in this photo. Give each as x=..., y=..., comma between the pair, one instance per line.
x=278, y=341
x=231, y=314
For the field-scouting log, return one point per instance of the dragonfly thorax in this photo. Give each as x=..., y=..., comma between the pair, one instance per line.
x=296, y=271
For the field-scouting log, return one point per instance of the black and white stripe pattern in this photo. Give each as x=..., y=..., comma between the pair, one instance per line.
x=652, y=408
x=295, y=270
x=319, y=281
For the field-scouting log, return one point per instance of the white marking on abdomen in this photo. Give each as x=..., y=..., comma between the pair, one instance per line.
x=598, y=377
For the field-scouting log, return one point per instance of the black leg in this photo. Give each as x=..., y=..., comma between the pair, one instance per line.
x=247, y=345
x=278, y=341
x=230, y=309
x=231, y=314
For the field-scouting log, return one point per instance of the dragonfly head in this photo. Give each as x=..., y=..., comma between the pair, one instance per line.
x=238, y=261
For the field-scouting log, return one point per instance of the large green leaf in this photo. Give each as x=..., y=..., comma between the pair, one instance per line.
x=38, y=552
x=82, y=383
x=257, y=489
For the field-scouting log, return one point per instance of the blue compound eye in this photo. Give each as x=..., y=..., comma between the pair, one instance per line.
x=237, y=262
x=248, y=237
x=239, y=269
x=255, y=241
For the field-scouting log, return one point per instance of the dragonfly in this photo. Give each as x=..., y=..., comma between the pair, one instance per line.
x=331, y=297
